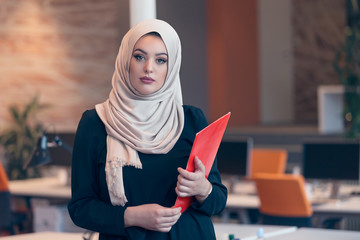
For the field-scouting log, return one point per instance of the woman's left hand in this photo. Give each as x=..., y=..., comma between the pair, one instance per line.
x=193, y=183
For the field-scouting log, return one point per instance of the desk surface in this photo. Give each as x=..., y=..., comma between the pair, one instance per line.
x=40, y=188
x=245, y=197
x=345, y=207
x=318, y=234
x=248, y=232
x=320, y=189
x=244, y=232
x=46, y=236
x=350, y=206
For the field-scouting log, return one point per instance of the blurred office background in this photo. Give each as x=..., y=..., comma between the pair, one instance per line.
x=263, y=60
x=260, y=59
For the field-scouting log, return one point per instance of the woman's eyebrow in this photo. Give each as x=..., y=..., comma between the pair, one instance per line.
x=144, y=52
x=138, y=49
x=158, y=54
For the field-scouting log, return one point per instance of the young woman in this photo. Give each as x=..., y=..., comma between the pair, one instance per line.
x=131, y=151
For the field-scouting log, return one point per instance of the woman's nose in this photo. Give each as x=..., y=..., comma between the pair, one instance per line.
x=148, y=66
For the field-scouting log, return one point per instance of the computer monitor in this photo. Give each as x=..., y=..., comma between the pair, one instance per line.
x=331, y=160
x=234, y=157
x=61, y=155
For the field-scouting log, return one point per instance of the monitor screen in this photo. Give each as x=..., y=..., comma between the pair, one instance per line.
x=233, y=157
x=62, y=155
x=332, y=160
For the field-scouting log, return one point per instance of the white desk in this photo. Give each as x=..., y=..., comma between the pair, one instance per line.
x=48, y=191
x=248, y=232
x=346, y=207
x=244, y=198
x=244, y=187
x=40, y=188
x=318, y=234
x=244, y=232
x=239, y=203
x=46, y=236
x=248, y=187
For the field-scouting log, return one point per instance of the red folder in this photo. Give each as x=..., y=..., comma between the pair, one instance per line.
x=205, y=146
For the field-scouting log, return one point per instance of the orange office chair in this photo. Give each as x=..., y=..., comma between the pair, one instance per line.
x=268, y=161
x=283, y=200
x=8, y=219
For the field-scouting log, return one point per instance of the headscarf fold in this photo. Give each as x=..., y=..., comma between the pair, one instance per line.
x=140, y=123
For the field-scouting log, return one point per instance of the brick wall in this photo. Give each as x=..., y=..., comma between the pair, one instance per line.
x=62, y=50
x=318, y=31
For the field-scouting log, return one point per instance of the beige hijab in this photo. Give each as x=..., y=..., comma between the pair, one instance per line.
x=135, y=122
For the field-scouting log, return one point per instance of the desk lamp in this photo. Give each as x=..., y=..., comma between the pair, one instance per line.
x=40, y=155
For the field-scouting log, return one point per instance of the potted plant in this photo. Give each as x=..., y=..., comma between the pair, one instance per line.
x=347, y=64
x=19, y=139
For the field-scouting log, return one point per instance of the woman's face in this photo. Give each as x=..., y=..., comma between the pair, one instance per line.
x=148, y=64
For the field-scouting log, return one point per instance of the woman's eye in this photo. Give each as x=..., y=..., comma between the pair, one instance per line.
x=161, y=60
x=138, y=57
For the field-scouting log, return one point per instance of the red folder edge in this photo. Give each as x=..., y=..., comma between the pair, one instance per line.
x=206, y=145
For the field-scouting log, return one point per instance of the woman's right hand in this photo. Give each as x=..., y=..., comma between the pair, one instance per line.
x=152, y=217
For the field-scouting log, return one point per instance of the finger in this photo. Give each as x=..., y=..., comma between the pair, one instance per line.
x=165, y=230
x=199, y=165
x=169, y=220
x=170, y=212
x=182, y=171
x=186, y=174
x=184, y=181
x=166, y=222
x=184, y=184
x=181, y=192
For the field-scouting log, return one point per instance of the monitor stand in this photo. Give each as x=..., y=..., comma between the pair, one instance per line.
x=335, y=189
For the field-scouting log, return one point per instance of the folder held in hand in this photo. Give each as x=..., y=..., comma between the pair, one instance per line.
x=205, y=147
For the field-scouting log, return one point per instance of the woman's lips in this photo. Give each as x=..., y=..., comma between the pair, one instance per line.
x=147, y=80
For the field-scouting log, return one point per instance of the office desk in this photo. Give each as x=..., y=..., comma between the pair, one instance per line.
x=240, y=203
x=39, y=191
x=45, y=236
x=244, y=232
x=244, y=198
x=248, y=232
x=318, y=234
x=40, y=188
x=347, y=207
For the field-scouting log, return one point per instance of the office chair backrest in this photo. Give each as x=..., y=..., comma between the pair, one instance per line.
x=268, y=161
x=4, y=182
x=5, y=203
x=282, y=195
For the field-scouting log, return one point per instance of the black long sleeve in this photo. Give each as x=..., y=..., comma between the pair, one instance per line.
x=87, y=208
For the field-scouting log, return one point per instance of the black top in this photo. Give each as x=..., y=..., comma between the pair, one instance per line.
x=90, y=206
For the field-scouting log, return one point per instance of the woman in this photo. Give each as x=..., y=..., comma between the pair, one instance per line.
x=130, y=151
